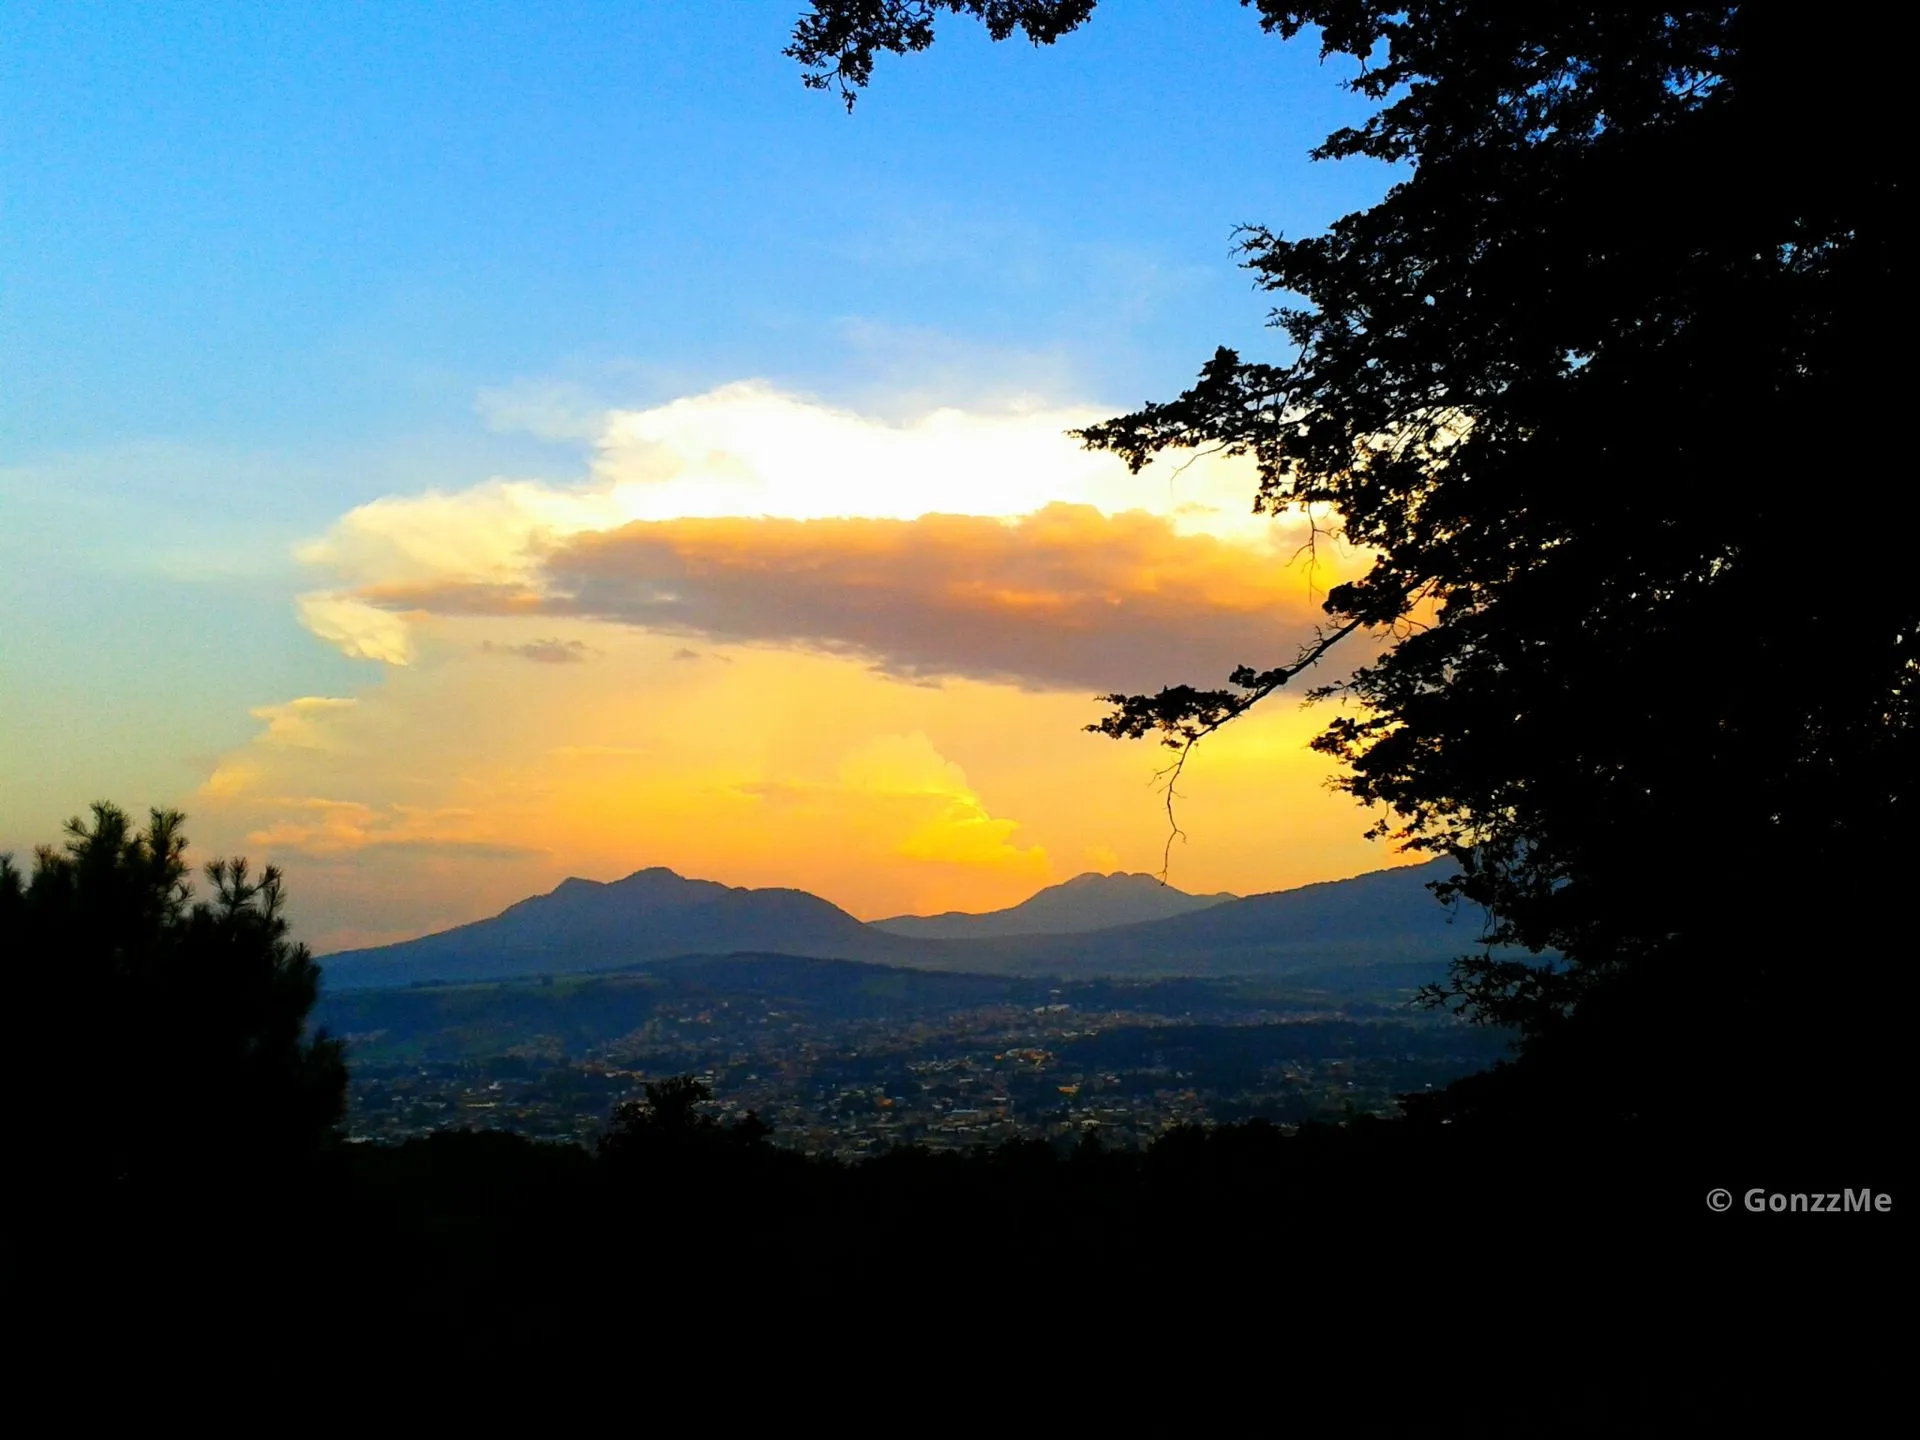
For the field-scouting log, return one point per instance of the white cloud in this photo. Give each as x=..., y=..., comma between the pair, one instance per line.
x=548, y=410
x=360, y=630
x=747, y=452
x=300, y=722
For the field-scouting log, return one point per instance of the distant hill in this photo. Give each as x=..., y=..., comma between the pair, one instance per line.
x=1388, y=917
x=577, y=1012
x=574, y=1014
x=1086, y=902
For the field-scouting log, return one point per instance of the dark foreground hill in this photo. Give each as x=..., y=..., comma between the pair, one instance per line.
x=1387, y=917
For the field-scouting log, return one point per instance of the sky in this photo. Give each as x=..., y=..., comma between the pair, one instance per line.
x=447, y=448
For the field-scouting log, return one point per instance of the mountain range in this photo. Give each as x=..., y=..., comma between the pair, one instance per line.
x=1387, y=916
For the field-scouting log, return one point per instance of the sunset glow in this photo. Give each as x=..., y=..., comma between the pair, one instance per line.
x=771, y=561
x=887, y=711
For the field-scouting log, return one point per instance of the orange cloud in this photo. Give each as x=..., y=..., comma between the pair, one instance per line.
x=320, y=827
x=1065, y=597
x=549, y=651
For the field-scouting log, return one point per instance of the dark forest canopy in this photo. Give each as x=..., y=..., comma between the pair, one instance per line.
x=1603, y=382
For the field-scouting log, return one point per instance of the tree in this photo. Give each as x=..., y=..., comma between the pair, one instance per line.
x=159, y=1041
x=670, y=1119
x=839, y=38
x=1603, y=384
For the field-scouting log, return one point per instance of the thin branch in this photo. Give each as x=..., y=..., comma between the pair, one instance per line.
x=1263, y=686
x=1200, y=453
x=1171, y=774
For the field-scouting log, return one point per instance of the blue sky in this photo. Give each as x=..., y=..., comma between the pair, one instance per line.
x=260, y=264
x=323, y=225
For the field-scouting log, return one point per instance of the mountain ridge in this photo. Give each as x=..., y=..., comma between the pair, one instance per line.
x=1378, y=917
x=581, y=924
x=655, y=914
x=1089, y=901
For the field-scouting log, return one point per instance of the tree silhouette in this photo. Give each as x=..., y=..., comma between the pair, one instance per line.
x=838, y=39
x=1602, y=382
x=162, y=1038
x=670, y=1119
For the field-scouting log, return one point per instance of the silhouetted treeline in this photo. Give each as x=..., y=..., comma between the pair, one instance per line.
x=1336, y=1251
x=170, y=1118
x=181, y=1209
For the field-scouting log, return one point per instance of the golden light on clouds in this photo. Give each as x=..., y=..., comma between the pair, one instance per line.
x=359, y=629
x=773, y=643
x=1064, y=597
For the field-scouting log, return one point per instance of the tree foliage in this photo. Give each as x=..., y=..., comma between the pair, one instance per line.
x=838, y=41
x=161, y=1036
x=1604, y=382
x=670, y=1119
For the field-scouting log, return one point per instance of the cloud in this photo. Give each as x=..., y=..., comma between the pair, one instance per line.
x=1066, y=597
x=543, y=652
x=911, y=613
x=321, y=827
x=452, y=787
x=488, y=534
x=548, y=410
x=749, y=457
x=361, y=630
x=914, y=801
x=751, y=450
x=300, y=722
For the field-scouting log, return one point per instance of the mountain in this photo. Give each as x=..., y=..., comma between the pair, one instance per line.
x=588, y=925
x=1387, y=917
x=1086, y=902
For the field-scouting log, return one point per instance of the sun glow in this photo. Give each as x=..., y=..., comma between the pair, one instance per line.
x=776, y=643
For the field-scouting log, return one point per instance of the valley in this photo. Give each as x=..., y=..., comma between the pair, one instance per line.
x=847, y=1058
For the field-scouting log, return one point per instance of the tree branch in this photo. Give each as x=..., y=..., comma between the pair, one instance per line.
x=1185, y=716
